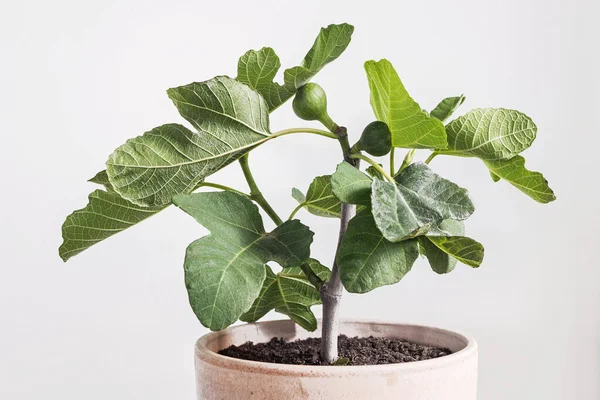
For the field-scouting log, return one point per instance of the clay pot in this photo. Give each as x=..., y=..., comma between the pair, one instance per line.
x=453, y=377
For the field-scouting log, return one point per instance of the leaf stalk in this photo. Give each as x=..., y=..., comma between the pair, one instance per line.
x=256, y=194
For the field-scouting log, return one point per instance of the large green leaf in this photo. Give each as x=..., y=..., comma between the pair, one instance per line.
x=257, y=68
x=420, y=199
x=289, y=292
x=329, y=45
x=105, y=215
x=224, y=272
x=491, y=133
x=446, y=107
x=319, y=199
x=367, y=260
x=231, y=119
x=351, y=185
x=411, y=127
x=533, y=184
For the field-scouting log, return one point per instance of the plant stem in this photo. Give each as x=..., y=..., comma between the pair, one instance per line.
x=332, y=290
x=431, y=157
x=222, y=187
x=374, y=164
x=256, y=194
x=298, y=208
x=392, y=154
x=331, y=296
x=319, y=132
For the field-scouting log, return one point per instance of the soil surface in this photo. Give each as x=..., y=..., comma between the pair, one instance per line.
x=360, y=351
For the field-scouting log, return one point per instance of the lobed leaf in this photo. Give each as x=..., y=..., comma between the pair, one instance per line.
x=224, y=272
x=491, y=133
x=289, y=292
x=258, y=69
x=411, y=127
x=533, y=184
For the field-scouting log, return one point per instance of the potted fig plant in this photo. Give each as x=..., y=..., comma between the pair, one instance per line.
x=389, y=215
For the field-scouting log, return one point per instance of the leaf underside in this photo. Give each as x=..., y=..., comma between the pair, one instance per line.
x=106, y=214
x=491, y=133
x=231, y=119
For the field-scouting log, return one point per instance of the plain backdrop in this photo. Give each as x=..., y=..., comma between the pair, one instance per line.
x=77, y=78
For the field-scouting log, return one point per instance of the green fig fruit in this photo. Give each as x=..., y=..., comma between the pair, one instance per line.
x=310, y=104
x=376, y=139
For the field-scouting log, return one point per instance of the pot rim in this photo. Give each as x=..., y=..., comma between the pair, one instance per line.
x=203, y=353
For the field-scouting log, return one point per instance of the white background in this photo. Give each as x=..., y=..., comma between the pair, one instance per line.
x=77, y=78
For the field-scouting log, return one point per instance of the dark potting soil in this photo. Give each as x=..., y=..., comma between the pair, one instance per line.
x=360, y=351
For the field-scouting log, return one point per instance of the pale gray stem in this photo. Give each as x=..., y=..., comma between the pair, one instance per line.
x=331, y=295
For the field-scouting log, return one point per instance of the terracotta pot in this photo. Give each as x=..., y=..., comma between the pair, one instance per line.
x=452, y=377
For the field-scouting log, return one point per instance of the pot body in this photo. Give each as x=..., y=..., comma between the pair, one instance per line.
x=453, y=377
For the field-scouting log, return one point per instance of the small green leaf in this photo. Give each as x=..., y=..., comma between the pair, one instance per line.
x=329, y=45
x=341, y=362
x=446, y=107
x=367, y=260
x=420, y=199
x=319, y=198
x=411, y=127
x=351, y=185
x=491, y=133
x=533, y=184
x=298, y=195
x=224, y=272
x=231, y=119
x=289, y=292
x=105, y=215
x=257, y=69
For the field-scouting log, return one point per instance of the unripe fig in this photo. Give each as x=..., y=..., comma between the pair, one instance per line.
x=310, y=104
x=376, y=139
